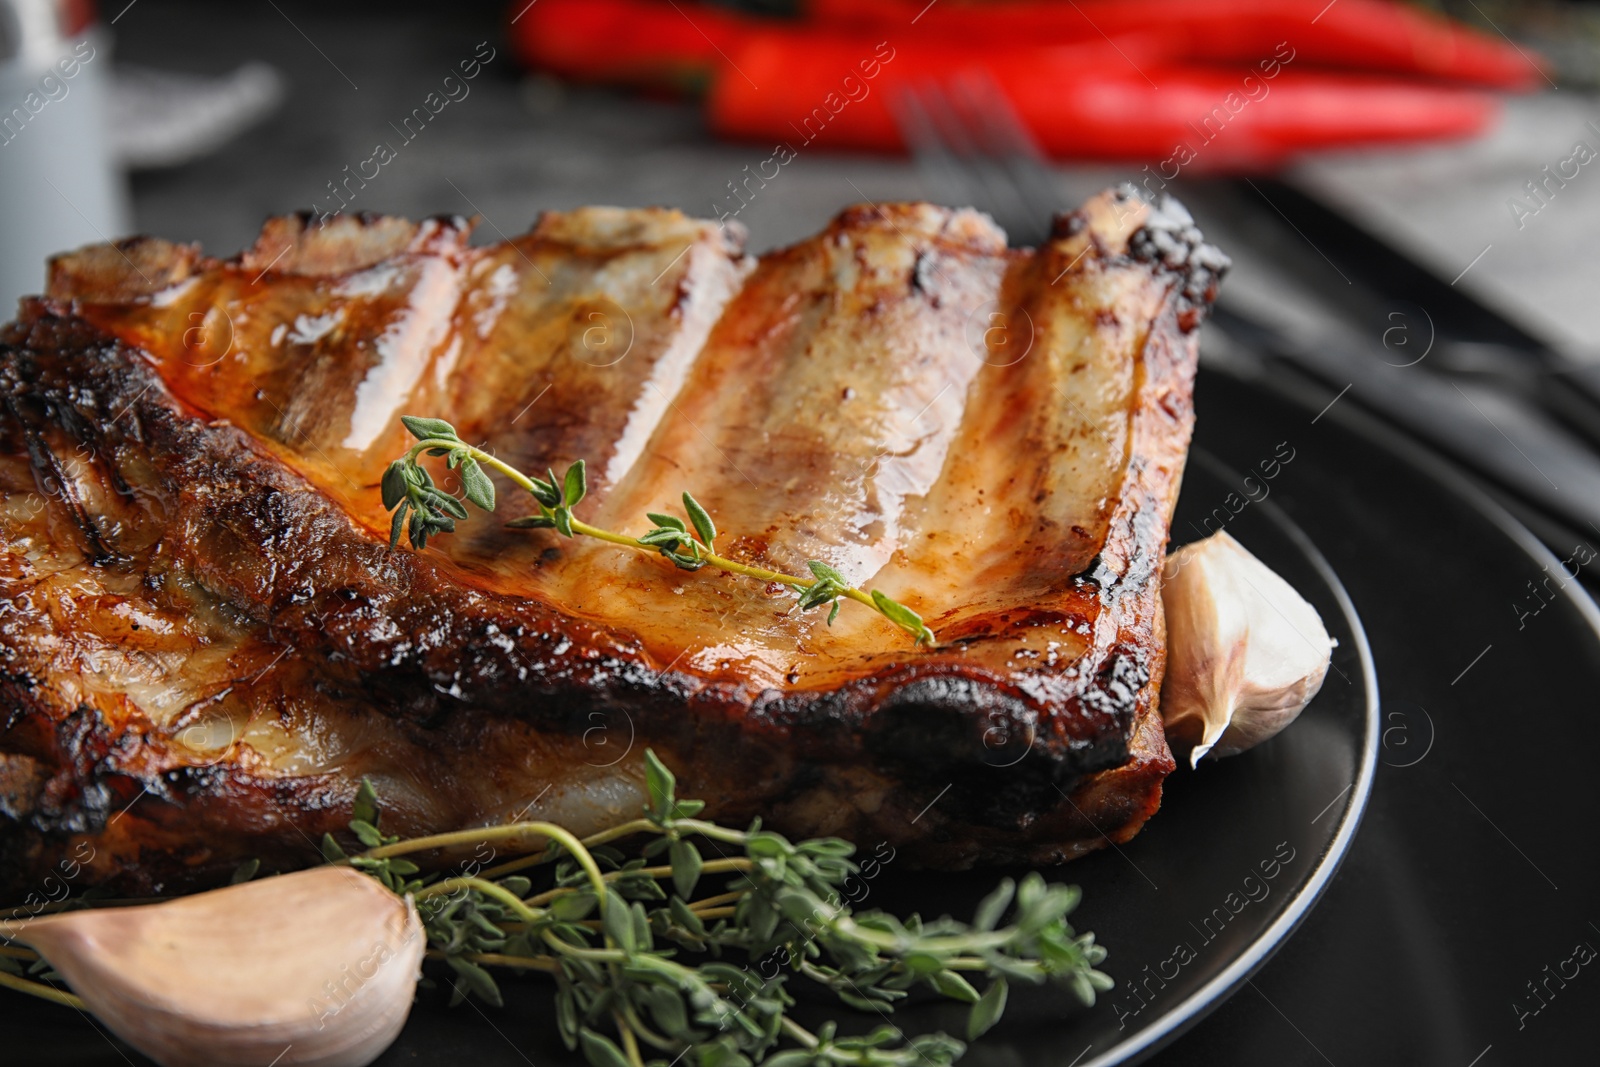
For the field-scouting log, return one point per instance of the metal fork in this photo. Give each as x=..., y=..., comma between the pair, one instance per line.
x=973, y=149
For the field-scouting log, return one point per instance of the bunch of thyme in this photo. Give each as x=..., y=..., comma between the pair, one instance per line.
x=652, y=960
x=409, y=490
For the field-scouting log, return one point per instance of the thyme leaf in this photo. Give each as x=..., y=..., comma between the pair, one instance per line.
x=477, y=485
x=702, y=521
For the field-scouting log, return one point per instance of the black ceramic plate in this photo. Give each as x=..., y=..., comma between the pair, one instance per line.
x=1242, y=849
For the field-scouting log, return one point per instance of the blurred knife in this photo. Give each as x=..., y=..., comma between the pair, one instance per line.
x=1473, y=339
x=1489, y=393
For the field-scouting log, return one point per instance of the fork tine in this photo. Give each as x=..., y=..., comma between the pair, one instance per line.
x=992, y=188
x=934, y=158
x=968, y=138
x=1011, y=142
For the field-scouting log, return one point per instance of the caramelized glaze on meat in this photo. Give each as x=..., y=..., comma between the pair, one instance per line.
x=207, y=640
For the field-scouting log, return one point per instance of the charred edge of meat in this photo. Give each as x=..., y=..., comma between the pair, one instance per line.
x=988, y=747
x=1170, y=241
x=81, y=791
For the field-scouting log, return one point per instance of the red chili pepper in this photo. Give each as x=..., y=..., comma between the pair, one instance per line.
x=650, y=42
x=1372, y=35
x=839, y=95
x=629, y=42
x=1093, y=97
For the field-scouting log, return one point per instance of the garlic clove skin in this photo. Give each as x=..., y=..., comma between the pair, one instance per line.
x=314, y=968
x=1245, y=652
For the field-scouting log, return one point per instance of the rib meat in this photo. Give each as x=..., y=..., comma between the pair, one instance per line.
x=207, y=640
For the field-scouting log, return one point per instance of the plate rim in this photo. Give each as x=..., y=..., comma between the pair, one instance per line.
x=1428, y=461
x=1175, y=1021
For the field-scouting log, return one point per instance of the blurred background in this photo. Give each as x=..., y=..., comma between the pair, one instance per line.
x=1405, y=189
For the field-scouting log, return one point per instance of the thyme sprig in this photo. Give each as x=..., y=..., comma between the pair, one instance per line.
x=663, y=956
x=690, y=960
x=409, y=491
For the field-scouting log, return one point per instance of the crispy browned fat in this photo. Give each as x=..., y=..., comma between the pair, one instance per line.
x=206, y=639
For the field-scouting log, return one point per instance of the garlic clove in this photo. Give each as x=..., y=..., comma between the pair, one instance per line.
x=1245, y=652
x=317, y=967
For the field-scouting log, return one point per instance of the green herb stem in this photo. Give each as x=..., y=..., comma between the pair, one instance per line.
x=712, y=831
x=799, y=1034
x=721, y=866
x=489, y=889
x=407, y=485
x=615, y=833
x=40, y=990
x=499, y=959
x=493, y=833
x=578, y=952
x=629, y=1021
x=630, y=1045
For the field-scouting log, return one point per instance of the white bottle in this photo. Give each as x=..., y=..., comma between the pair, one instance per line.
x=59, y=187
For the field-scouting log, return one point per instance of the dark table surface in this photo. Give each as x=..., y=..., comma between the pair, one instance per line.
x=1388, y=968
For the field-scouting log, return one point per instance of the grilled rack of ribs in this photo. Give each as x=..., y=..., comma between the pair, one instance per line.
x=206, y=640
